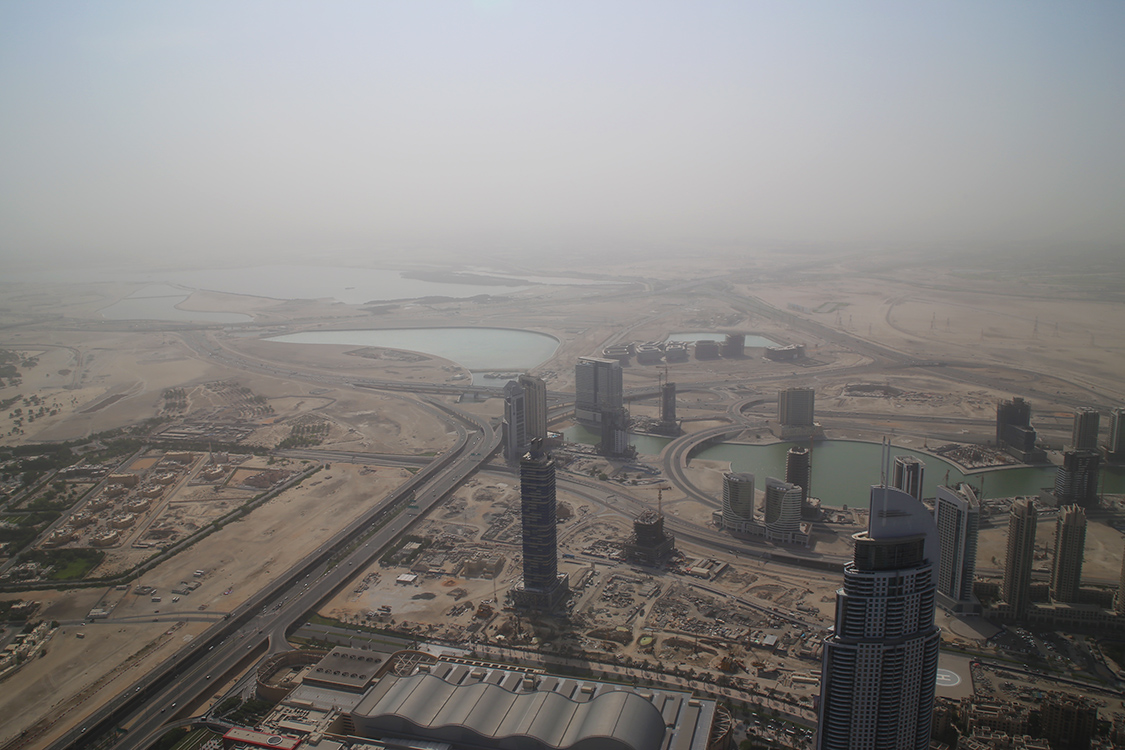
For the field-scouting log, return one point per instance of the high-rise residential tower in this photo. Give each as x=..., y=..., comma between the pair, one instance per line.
x=1022, y=523
x=879, y=665
x=535, y=395
x=908, y=473
x=1076, y=481
x=798, y=469
x=597, y=389
x=1070, y=546
x=542, y=586
x=515, y=421
x=957, y=516
x=795, y=407
x=1085, y=436
x=668, y=403
x=782, y=510
x=1121, y=589
x=1115, y=442
x=1014, y=413
x=738, y=499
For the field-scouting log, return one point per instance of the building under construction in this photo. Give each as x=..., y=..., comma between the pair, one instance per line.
x=650, y=544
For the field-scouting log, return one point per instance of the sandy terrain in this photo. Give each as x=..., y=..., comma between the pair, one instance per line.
x=999, y=334
x=239, y=559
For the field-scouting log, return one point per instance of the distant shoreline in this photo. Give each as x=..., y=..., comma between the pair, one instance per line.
x=458, y=277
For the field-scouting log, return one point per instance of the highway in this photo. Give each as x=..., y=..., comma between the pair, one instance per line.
x=259, y=625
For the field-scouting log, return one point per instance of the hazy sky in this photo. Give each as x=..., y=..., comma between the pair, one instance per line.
x=371, y=127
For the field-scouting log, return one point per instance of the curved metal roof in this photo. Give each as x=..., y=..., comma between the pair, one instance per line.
x=489, y=715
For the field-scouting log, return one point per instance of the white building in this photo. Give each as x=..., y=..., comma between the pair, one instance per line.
x=879, y=665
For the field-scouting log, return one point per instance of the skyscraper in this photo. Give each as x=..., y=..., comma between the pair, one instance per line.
x=795, y=407
x=798, y=469
x=615, y=434
x=1115, y=443
x=879, y=665
x=738, y=499
x=1014, y=413
x=957, y=516
x=1022, y=523
x=542, y=587
x=1121, y=589
x=782, y=510
x=597, y=389
x=515, y=421
x=1085, y=437
x=908, y=472
x=1076, y=481
x=1070, y=545
x=668, y=403
x=535, y=396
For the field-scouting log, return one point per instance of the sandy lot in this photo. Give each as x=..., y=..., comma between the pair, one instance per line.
x=999, y=332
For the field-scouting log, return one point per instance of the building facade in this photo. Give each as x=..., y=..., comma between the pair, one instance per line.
x=957, y=516
x=1115, y=442
x=1070, y=546
x=1076, y=480
x=738, y=499
x=1022, y=523
x=515, y=421
x=782, y=510
x=796, y=407
x=535, y=396
x=879, y=665
x=908, y=472
x=798, y=469
x=597, y=389
x=1085, y=435
x=542, y=586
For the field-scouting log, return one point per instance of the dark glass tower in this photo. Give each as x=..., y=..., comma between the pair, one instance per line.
x=542, y=586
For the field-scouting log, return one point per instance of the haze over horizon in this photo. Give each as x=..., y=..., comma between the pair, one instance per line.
x=245, y=130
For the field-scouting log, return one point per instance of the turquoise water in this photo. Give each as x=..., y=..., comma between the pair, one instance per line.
x=751, y=340
x=473, y=348
x=843, y=471
x=646, y=445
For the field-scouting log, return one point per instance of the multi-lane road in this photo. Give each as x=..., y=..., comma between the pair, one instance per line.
x=260, y=624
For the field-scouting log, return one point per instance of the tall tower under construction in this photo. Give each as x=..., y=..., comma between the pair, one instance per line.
x=542, y=587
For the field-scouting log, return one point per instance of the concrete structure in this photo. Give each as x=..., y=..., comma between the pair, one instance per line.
x=1068, y=722
x=1014, y=432
x=782, y=510
x=879, y=665
x=668, y=403
x=1115, y=442
x=795, y=407
x=615, y=434
x=535, y=397
x=798, y=469
x=957, y=517
x=734, y=345
x=738, y=499
x=597, y=389
x=1121, y=591
x=1022, y=522
x=1070, y=546
x=908, y=472
x=650, y=544
x=1076, y=481
x=789, y=353
x=1085, y=435
x=515, y=421
x=542, y=586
